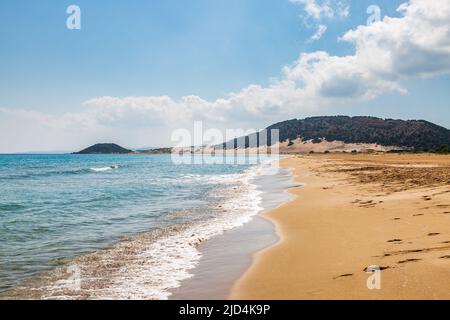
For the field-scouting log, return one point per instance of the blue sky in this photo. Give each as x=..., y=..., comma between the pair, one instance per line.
x=180, y=48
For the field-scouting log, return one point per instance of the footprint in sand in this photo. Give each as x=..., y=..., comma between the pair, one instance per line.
x=369, y=269
x=367, y=204
x=408, y=260
x=343, y=276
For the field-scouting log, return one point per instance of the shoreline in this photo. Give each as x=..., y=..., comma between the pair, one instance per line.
x=149, y=264
x=226, y=257
x=322, y=220
x=347, y=218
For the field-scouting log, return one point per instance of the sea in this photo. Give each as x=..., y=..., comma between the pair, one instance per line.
x=117, y=226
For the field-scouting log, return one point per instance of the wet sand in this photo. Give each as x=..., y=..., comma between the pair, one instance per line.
x=226, y=257
x=355, y=211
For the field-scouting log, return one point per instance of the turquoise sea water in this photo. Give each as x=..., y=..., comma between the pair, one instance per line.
x=128, y=224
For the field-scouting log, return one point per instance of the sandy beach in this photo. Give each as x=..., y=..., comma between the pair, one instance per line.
x=355, y=211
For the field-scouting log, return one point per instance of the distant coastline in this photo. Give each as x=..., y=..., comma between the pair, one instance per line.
x=326, y=134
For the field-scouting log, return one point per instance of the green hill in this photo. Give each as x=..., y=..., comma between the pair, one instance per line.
x=418, y=135
x=104, y=148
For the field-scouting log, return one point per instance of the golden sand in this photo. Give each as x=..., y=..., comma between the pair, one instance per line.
x=353, y=212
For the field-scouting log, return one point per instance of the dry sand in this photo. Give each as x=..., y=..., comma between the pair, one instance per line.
x=290, y=147
x=356, y=211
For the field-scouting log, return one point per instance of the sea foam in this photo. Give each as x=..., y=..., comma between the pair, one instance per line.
x=151, y=264
x=103, y=169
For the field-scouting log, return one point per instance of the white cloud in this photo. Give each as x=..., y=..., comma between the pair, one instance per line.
x=321, y=29
x=316, y=10
x=343, y=9
x=324, y=9
x=320, y=10
x=417, y=44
